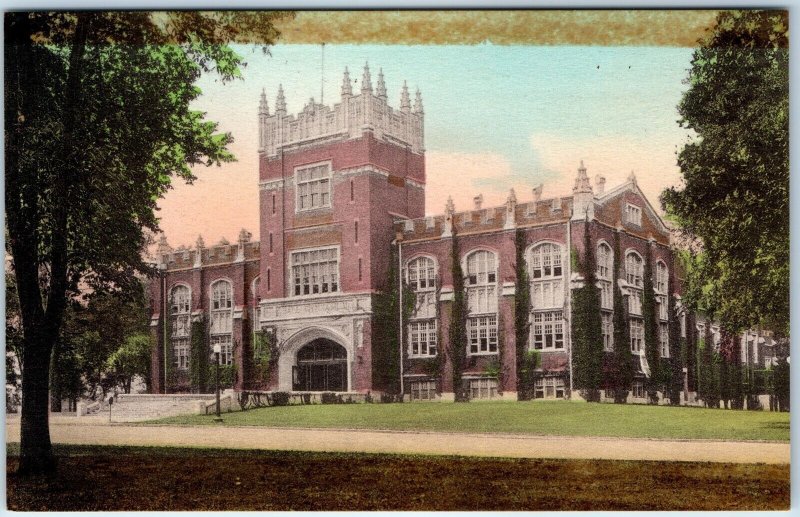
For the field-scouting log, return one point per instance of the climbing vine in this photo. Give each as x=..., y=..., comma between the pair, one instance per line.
x=677, y=351
x=457, y=338
x=651, y=341
x=198, y=357
x=587, y=334
x=522, y=325
x=169, y=351
x=621, y=371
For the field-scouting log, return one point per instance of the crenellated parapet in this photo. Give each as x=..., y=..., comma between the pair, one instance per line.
x=184, y=257
x=349, y=118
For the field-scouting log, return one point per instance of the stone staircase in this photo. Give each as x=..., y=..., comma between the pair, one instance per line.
x=138, y=408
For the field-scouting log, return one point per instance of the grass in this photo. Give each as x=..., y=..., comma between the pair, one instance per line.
x=538, y=418
x=92, y=478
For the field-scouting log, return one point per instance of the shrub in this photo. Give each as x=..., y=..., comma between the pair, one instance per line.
x=331, y=398
x=280, y=398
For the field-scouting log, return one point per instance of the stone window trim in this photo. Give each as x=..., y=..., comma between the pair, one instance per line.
x=318, y=183
x=605, y=261
x=417, y=267
x=547, y=331
x=550, y=387
x=633, y=214
x=661, y=283
x=634, y=268
x=637, y=336
x=333, y=282
x=423, y=389
x=422, y=338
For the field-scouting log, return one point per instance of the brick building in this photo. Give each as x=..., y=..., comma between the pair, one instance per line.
x=342, y=193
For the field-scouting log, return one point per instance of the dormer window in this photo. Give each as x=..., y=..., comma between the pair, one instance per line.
x=633, y=214
x=313, y=184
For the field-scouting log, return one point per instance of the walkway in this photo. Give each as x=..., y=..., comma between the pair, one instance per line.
x=74, y=431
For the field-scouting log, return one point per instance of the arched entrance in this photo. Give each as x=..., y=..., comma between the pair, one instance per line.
x=321, y=366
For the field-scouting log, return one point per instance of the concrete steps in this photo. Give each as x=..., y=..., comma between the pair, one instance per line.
x=138, y=408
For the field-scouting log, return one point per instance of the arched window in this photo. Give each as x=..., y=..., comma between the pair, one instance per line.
x=605, y=277
x=180, y=321
x=547, y=297
x=661, y=287
x=255, y=294
x=633, y=269
x=222, y=320
x=481, y=284
x=420, y=275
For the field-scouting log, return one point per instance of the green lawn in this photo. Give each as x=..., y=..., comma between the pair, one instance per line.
x=96, y=478
x=540, y=418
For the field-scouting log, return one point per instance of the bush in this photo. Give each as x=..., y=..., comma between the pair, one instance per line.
x=331, y=398
x=280, y=398
x=389, y=398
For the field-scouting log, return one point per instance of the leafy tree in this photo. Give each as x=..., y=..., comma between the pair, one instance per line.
x=97, y=123
x=677, y=348
x=131, y=360
x=734, y=198
x=587, y=336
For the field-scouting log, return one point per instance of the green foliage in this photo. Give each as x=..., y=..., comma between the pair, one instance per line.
x=265, y=355
x=781, y=380
x=651, y=340
x=98, y=121
x=522, y=326
x=132, y=359
x=198, y=357
x=493, y=368
x=587, y=336
x=386, y=354
x=677, y=348
x=734, y=198
x=621, y=373
x=457, y=339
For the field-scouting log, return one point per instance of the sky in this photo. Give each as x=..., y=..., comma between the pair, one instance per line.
x=496, y=117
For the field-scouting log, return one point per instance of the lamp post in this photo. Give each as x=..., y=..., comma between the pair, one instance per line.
x=217, y=352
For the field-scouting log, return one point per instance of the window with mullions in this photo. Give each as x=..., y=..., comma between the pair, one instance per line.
x=313, y=186
x=637, y=336
x=221, y=330
x=315, y=272
x=662, y=277
x=546, y=261
x=548, y=330
x=605, y=268
x=423, y=390
x=483, y=388
x=634, y=269
x=180, y=321
x=608, y=331
x=421, y=274
x=633, y=214
x=549, y=388
x=482, y=334
x=663, y=339
x=422, y=338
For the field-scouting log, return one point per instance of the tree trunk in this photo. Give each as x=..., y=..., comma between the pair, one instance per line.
x=55, y=380
x=36, y=452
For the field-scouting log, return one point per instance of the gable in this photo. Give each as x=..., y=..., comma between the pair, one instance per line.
x=612, y=207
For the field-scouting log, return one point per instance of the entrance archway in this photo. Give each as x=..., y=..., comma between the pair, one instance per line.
x=321, y=366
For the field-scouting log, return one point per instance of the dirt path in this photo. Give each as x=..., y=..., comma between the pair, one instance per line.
x=73, y=431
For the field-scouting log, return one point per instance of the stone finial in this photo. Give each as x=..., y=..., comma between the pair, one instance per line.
x=200, y=243
x=449, y=211
x=537, y=192
x=244, y=236
x=366, y=81
x=380, y=89
x=600, y=184
x=223, y=242
x=632, y=177
x=511, y=210
x=478, y=201
x=280, y=102
x=163, y=245
x=198, y=254
x=347, y=87
x=418, y=103
x=582, y=184
x=405, y=100
x=263, y=106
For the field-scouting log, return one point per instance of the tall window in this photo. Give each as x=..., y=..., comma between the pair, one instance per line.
x=315, y=271
x=481, y=284
x=637, y=335
x=608, y=331
x=633, y=214
x=222, y=320
x=547, y=297
x=180, y=321
x=663, y=339
x=255, y=294
x=605, y=277
x=661, y=291
x=634, y=276
x=420, y=275
x=313, y=186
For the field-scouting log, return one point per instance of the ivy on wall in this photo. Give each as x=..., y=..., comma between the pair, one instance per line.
x=457, y=337
x=265, y=355
x=386, y=325
x=651, y=341
x=621, y=371
x=169, y=351
x=198, y=357
x=522, y=325
x=677, y=348
x=587, y=335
